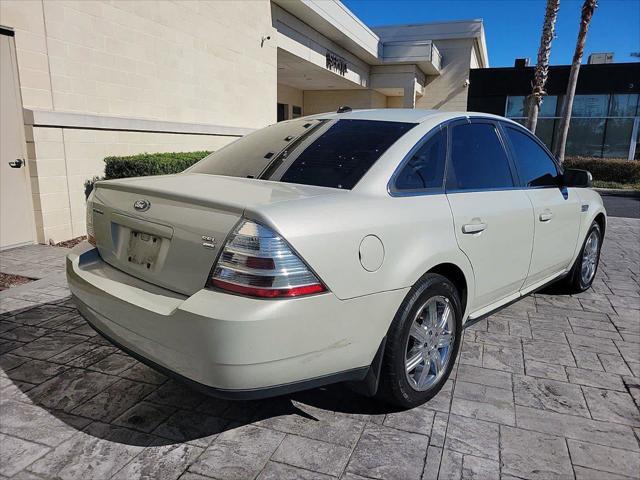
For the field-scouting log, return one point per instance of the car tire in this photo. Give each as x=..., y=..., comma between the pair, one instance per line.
x=585, y=267
x=402, y=383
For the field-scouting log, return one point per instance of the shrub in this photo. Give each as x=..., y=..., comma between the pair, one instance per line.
x=607, y=169
x=150, y=164
x=145, y=164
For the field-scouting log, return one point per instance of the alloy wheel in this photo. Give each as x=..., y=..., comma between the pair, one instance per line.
x=430, y=343
x=590, y=257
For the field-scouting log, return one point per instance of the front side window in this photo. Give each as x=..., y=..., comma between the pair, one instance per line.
x=536, y=167
x=328, y=153
x=478, y=159
x=425, y=168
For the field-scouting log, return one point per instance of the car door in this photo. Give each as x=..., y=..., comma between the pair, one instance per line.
x=556, y=208
x=493, y=219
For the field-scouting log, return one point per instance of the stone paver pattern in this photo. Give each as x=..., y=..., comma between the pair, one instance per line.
x=547, y=388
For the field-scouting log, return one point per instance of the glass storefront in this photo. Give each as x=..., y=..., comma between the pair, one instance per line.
x=601, y=125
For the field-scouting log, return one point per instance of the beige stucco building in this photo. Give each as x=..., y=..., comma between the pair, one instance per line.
x=89, y=79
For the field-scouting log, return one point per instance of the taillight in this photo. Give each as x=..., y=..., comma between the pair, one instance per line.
x=90, y=233
x=257, y=262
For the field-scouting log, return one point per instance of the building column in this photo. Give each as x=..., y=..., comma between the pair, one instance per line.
x=409, y=100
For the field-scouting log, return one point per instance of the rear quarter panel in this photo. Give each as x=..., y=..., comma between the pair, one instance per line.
x=417, y=234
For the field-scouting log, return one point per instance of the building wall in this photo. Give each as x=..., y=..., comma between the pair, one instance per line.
x=290, y=96
x=165, y=60
x=395, y=102
x=321, y=101
x=61, y=159
x=447, y=91
x=190, y=62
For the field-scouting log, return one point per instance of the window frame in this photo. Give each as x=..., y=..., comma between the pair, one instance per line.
x=391, y=185
x=511, y=152
x=500, y=134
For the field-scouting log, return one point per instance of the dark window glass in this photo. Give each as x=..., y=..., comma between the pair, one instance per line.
x=590, y=106
x=344, y=153
x=623, y=105
x=478, y=160
x=330, y=153
x=425, y=168
x=517, y=106
x=536, y=167
x=586, y=136
x=544, y=130
x=617, y=138
x=283, y=111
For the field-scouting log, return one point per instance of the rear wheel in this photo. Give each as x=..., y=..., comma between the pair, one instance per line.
x=422, y=343
x=585, y=267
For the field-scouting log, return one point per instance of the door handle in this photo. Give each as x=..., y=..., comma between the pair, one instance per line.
x=545, y=216
x=474, y=227
x=17, y=163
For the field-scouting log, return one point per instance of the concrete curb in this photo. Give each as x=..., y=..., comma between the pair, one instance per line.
x=618, y=192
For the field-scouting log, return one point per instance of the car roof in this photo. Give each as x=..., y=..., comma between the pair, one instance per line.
x=410, y=115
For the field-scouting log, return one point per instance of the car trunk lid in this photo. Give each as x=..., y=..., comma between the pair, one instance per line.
x=168, y=230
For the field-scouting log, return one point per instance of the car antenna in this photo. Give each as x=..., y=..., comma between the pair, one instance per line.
x=344, y=109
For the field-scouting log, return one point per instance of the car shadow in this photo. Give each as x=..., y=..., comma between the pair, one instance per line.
x=124, y=407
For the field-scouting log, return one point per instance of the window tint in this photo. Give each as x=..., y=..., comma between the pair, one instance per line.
x=344, y=153
x=425, y=168
x=478, y=160
x=535, y=166
x=330, y=153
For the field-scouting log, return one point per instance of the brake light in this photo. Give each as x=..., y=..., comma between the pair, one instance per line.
x=257, y=262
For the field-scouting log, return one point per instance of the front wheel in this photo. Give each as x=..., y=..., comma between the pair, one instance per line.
x=585, y=267
x=422, y=343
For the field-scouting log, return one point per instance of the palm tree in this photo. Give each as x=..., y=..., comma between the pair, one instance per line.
x=542, y=66
x=588, y=7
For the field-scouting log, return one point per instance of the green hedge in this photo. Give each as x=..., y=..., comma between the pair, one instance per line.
x=150, y=164
x=607, y=169
x=145, y=164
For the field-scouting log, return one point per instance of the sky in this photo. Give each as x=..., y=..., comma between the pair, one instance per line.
x=513, y=27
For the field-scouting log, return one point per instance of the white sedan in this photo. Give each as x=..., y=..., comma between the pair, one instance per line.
x=344, y=247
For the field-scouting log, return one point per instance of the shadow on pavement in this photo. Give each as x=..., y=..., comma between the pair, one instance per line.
x=53, y=362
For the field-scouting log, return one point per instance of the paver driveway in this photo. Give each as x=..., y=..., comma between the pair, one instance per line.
x=548, y=388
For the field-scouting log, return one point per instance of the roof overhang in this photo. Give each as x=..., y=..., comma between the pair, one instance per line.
x=453, y=30
x=395, y=44
x=336, y=22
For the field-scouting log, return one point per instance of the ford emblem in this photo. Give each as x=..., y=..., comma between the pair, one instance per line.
x=142, y=205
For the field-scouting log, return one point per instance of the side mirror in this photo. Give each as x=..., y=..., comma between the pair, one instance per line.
x=572, y=177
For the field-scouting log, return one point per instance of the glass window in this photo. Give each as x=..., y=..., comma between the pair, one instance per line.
x=425, y=168
x=330, y=153
x=590, y=106
x=617, y=139
x=515, y=106
x=585, y=137
x=478, y=160
x=548, y=107
x=535, y=166
x=623, y=105
x=545, y=129
x=283, y=112
x=296, y=112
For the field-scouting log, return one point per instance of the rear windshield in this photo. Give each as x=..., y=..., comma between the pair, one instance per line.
x=327, y=153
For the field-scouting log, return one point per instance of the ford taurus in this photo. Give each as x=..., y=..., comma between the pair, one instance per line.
x=344, y=247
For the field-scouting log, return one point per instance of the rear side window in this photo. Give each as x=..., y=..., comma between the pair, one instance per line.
x=536, y=167
x=425, y=168
x=328, y=153
x=478, y=159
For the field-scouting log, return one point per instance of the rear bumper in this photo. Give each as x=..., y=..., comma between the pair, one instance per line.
x=229, y=345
